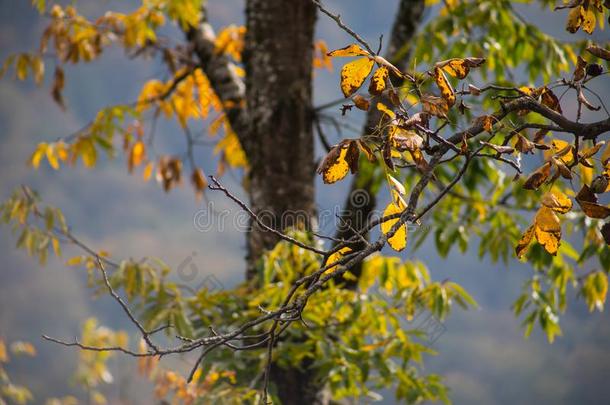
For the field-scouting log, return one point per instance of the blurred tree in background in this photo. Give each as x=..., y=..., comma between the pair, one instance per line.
x=460, y=150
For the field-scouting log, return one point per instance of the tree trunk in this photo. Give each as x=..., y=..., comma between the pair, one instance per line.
x=279, y=143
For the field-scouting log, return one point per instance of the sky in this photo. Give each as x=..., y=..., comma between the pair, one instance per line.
x=482, y=352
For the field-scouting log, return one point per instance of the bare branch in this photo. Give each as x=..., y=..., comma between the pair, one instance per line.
x=217, y=186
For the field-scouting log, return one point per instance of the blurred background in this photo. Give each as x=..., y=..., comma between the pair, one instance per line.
x=483, y=354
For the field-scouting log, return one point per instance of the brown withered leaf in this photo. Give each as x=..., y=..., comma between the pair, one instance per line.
x=550, y=100
x=474, y=90
x=352, y=156
x=368, y=153
x=540, y=134
x=524, y=145
x=599, y=52
x=606, y=232
x=498, y=148
x=421, y=118
x=436, y=106
x=579, y=71
x=599, y=184
x=542, y=146
x=535, y=180
x=199, y=182
x=361, y=102
x=486, y=121
x=420, y=161
x=525, y=241
x=587, y=153
x=58, y=86
x=169, y=172
x=394, y=99
x=588, y=202
x=387, y=155
x=562, y=168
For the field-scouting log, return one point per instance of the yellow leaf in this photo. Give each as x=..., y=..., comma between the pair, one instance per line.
x=398, y=241
x=335, y=257
x=320, y=56
x=51, y=158
x=586, y=174
x=443, y=84
x=62, y=151
x=588, y=22
x=378, y=81
x=3, y=353
x=575, y=19
x=231, y=150
x=341, y=159
x=382, y=107
x=40, y=151
x=460, y=67
x=353, y=74
x=20, y=347
x=547, y=229
x=136, y=156
x=350, y=50
x=21, y=66
x=56, y=247
x=230, y=41
x=148, y=169
x=74, y=261
x=557, y=201
x=563, y=150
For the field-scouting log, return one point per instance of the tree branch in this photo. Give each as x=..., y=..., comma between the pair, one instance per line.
x=225, y=82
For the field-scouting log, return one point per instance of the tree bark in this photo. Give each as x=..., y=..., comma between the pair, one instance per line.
x=279, y=143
